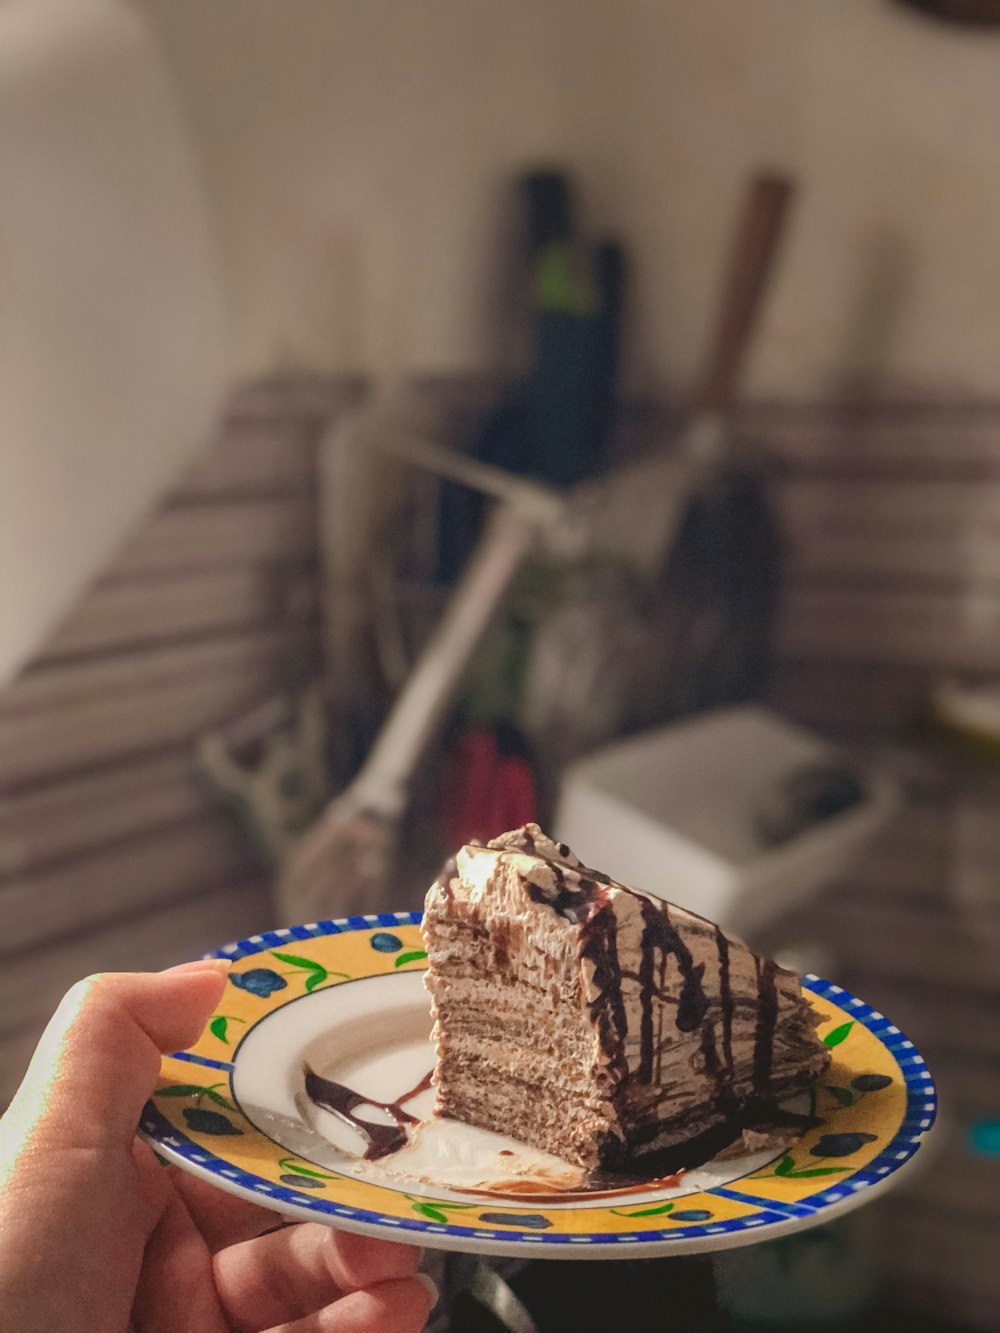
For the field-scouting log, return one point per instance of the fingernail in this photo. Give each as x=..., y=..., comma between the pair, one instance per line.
x=430, y=1286
x=220, y=965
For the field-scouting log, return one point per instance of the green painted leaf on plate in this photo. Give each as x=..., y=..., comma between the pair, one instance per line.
x=180, y=1090
x=646, y=1212
x=417, y=1201
x=219, y=1100
x=411, y=957
x=428, y=1210
x=843, y=1095
x=316, y=979
x=289, y=1164
x=835, y=1037
x=785, y=1167
x=294, y=960
x=218, y=1027
x=817, y=1171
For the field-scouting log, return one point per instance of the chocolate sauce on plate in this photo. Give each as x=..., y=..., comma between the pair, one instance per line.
x=382, y=1139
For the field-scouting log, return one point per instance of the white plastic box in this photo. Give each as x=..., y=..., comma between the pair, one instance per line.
x=674, y=812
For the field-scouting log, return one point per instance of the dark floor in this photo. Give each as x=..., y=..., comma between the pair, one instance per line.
x=655, y=1295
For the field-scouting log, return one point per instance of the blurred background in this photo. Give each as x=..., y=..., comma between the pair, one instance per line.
x=582, y=410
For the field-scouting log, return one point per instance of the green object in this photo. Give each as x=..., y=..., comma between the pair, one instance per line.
x=411, y=957
x=786, y=1168
x=219, y=1026
x=822, y=1278
x=984, y=1138
x=290, y=1165
x=658, y=1211
x=493, y=687
x=558, y=285
x=835, y=1037
x=197, y=1092
x=317, y=972
x=843, y=1096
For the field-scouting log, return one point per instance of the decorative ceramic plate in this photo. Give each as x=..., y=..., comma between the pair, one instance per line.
x=346, y=1000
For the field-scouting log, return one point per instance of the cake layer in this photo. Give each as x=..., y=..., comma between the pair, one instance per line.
x=536, y=1112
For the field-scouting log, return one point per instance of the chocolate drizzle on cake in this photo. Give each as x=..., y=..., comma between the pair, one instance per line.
x=713, y=1064
x=767, y=1015
x=763, y=1116
x=500, y=939
x=692, y=1004
x=565, y=898
x=448, y=872
x=726, y=1001
x=561, y=882
x=599, y=947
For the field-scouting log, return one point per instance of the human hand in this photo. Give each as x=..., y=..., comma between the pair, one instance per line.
x=97, y=1237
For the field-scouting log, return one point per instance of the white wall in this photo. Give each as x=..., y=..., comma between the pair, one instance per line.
x=892, y=125
x=356, y=153
x=111, y=364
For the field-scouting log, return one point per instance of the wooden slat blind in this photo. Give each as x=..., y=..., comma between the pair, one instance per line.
x=112, y=854
x=892, y=515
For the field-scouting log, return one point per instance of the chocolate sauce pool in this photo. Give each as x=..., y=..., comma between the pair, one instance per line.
x=382, y=1139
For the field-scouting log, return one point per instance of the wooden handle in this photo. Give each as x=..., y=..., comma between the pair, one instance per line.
x=751, y=262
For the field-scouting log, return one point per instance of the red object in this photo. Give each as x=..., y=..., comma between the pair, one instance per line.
x=487, y=791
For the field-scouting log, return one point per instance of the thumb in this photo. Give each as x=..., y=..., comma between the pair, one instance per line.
x=98, y=1060
x=72, y=1198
